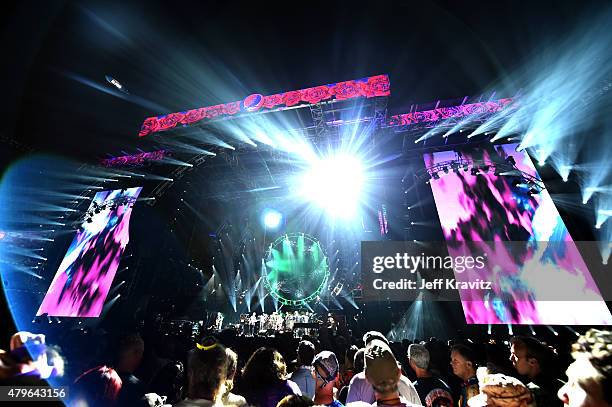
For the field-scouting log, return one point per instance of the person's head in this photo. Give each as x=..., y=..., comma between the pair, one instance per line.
x=381, y=369
x=206, y=370
x=418, y=357
x=528, y=355
x=169, y=381
x=265, y=367
x=359, y=361
x=589, y=377
x=463, y=361
x=325, y=368
x=349, y=355
x=371, y=335
x=305, y=353
x=295, y=401
x=99, y=386
x=131, y=349
x=232, y=365
x=500, y=390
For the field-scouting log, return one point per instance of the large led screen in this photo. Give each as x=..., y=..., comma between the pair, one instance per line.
x=485, y=205
x=86, y=273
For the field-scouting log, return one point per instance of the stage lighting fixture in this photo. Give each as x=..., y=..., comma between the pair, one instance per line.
x=334, y=183
x=435, y=175
x=272, y=219
x=474, y=171
x=455, y=166
x=485, y=168
x=445, y=169
x=465, y=167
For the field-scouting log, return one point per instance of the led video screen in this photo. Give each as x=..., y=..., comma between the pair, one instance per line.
x=86, y=273
x=486, y=205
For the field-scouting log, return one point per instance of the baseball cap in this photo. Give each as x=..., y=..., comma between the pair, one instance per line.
x=371, y=335
x=381, y=367
x=329, y=363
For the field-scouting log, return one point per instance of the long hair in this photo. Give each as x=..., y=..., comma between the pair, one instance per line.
x=265, y=367
x=207, y=370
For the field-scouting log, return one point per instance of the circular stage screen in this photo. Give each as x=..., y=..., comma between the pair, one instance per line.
x=295, y=269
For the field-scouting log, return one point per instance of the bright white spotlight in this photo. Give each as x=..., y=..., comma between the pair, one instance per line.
x=334, y=183
x=272, y=219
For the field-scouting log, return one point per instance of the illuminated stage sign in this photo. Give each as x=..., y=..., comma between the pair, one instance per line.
x=442, y=113
x=366, y=87
x=135, y=160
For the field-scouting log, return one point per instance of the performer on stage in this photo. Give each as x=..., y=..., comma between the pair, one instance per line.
x=252, y=323
x=263, y=319
x=219, y=321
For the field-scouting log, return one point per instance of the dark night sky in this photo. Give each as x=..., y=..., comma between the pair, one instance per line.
x=181, y=55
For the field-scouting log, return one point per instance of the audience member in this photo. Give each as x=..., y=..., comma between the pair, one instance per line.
x=99, y=386
x=229, y=398
x=532, y=360
x=383, y=373
x=295, y=401
x=326, y=372
x=432, y=390
x=206, y=374
x=30, y=361
x=168, y=382
x=357, y=368
x=361, y=390
x=347, y=368
x=303, y=375
x=463, y=363
x=499, y=390
x=589, y=377
x=131, y=349
x=264, y=379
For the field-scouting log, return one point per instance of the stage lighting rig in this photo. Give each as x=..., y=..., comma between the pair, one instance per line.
x=116, y=84
x=529, y=183
x=272, y=219
x=111, y=204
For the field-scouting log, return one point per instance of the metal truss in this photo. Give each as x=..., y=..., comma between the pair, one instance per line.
x=318, y=119
x=177, y=174
x=479, y=166
x=380, y=111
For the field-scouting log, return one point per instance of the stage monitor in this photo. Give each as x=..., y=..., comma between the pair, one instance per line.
x=480, y=198
x=86, y=273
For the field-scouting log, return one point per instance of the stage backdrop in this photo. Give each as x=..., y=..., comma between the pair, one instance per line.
x=86, y=273
x=486, y=207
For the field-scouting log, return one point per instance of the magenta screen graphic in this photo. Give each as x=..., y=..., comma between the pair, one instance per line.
x=495, y=207
x=86, y=273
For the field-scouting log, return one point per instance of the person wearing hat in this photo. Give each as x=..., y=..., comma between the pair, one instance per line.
x=360, y=390
x=206, y=374
x=383, y=372
x=325, y=370
x=499, y=390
